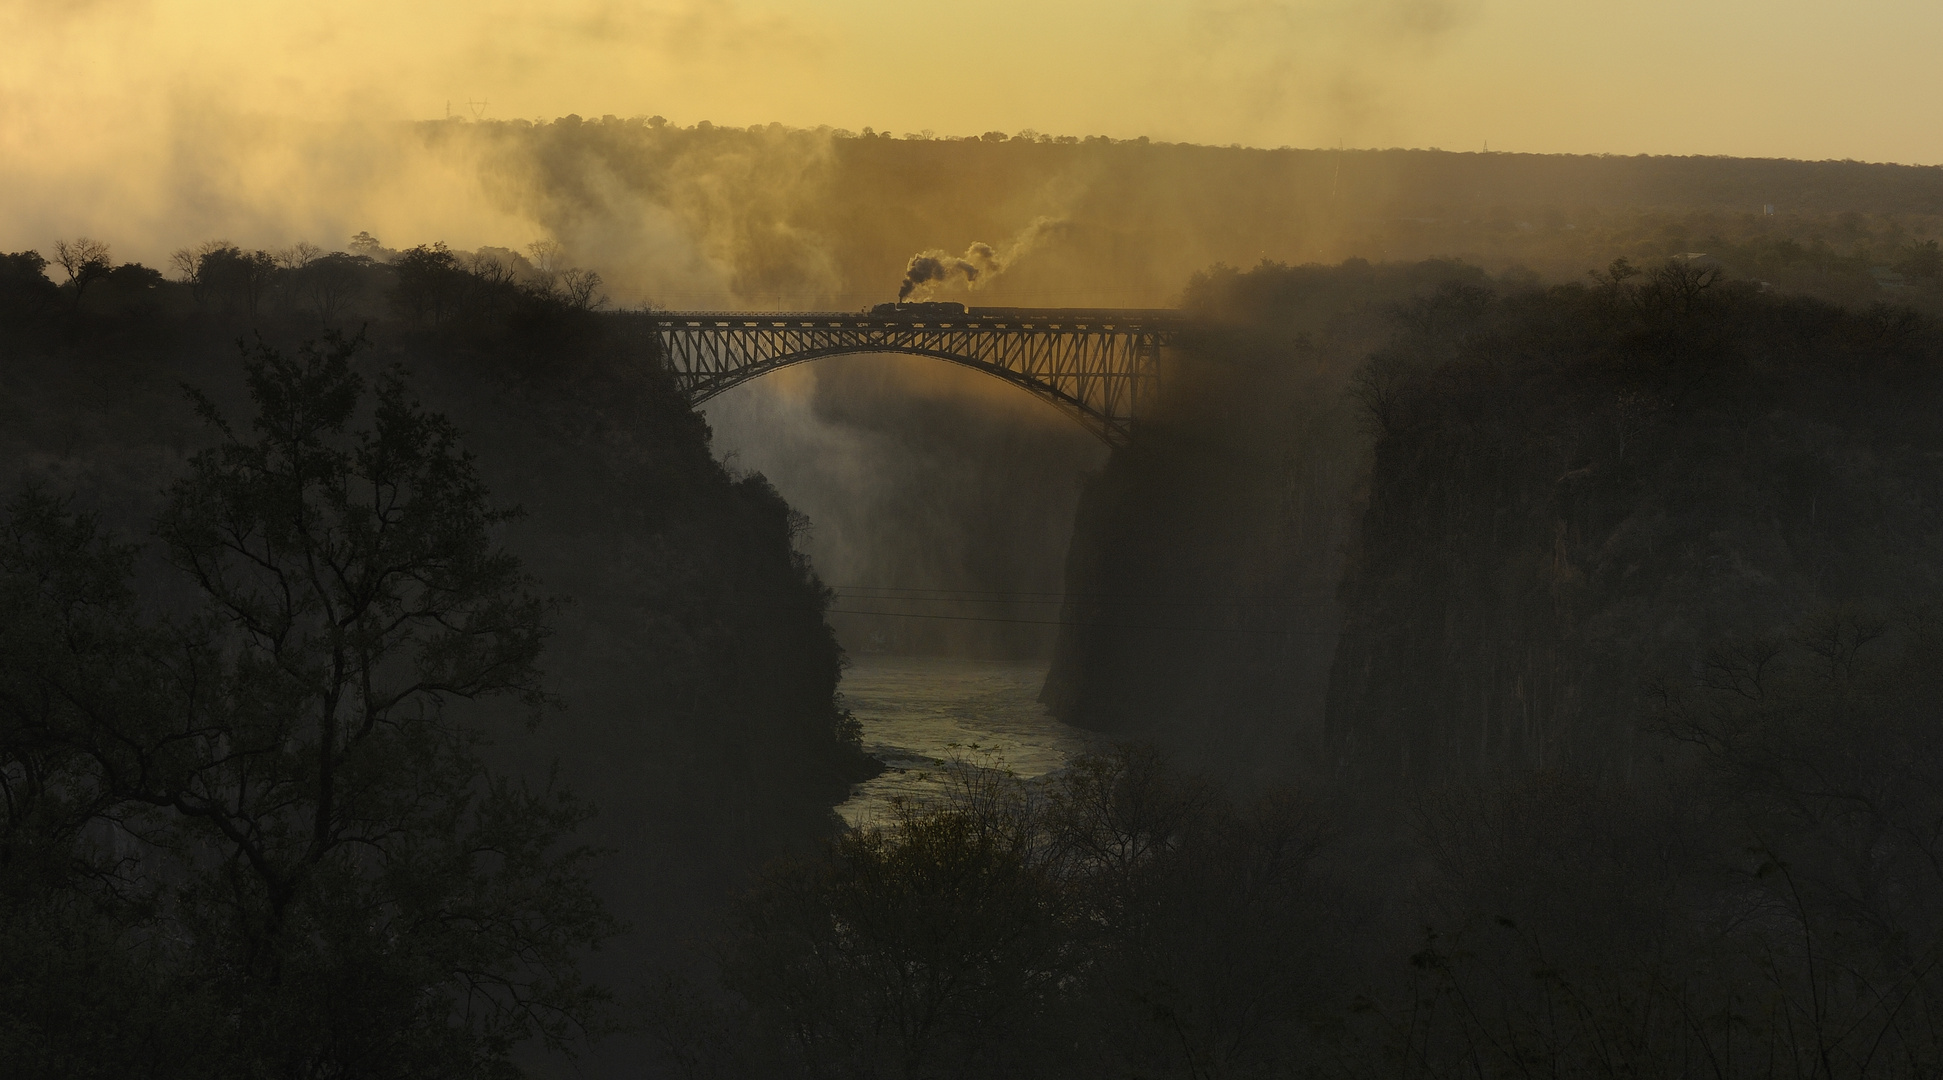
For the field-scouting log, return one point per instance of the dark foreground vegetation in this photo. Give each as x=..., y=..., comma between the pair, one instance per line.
x=1516, y=681
x=1766, y=906
x=298, y=757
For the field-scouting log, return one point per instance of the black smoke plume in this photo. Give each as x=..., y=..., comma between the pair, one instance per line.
x=939, y=266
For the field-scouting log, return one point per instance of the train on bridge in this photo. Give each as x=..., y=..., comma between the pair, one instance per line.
x=945, y=309
x=924, y=310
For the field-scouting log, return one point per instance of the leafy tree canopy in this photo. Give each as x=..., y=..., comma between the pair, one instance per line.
x=252, y=787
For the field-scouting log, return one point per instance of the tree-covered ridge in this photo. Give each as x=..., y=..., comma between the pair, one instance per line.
x=690, y=673
x=800, y=218
x=1575, y=492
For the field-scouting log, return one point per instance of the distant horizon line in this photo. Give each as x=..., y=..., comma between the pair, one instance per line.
x=1032, y=136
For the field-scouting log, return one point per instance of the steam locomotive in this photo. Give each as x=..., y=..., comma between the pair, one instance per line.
x=940, y=309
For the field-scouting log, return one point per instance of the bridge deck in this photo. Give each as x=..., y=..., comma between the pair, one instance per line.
x=978, y=318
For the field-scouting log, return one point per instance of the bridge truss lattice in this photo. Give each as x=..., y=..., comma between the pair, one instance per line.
x=1099, y=367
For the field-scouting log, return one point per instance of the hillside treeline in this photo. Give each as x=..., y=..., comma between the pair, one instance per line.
x=770, y=216
x=664, y=691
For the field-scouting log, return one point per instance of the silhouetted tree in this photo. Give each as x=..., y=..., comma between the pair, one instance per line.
x=548, y=259
x=430, y=281
x=1824, y=745
x=239, y=279
x=85, y=261
x=338, y=884
x=328, y=284
x=581, y=289
x=24, y=286
x=1923, y=259
x=299, y=255
x=924, y=948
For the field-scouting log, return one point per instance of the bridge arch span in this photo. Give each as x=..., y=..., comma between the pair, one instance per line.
x=1092, y=419
x=1098, y=367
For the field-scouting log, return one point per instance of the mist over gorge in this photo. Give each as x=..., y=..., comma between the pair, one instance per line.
x=773, y=218
x=1508, y=644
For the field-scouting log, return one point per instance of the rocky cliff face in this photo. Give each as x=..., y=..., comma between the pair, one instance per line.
x=1431, y=525
x=1578, y=494
x=1204, y=565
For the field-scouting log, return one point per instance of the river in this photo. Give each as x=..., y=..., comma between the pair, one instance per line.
x=918, y=712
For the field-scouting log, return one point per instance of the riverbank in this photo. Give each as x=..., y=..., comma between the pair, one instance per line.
x=920, y=712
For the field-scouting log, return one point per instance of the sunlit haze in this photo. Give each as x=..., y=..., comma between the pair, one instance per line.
x=1792, y=78
x=164, y=121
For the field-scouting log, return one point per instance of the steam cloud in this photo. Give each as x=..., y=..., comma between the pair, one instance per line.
x=938, y=267
x=980, y=263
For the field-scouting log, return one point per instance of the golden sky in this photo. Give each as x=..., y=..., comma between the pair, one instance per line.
x=159, y=123
x=1795, y=78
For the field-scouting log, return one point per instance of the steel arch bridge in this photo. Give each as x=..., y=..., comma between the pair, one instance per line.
x=1099, y=366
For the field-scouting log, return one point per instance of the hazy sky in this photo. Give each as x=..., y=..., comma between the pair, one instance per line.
x=1798, y=78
